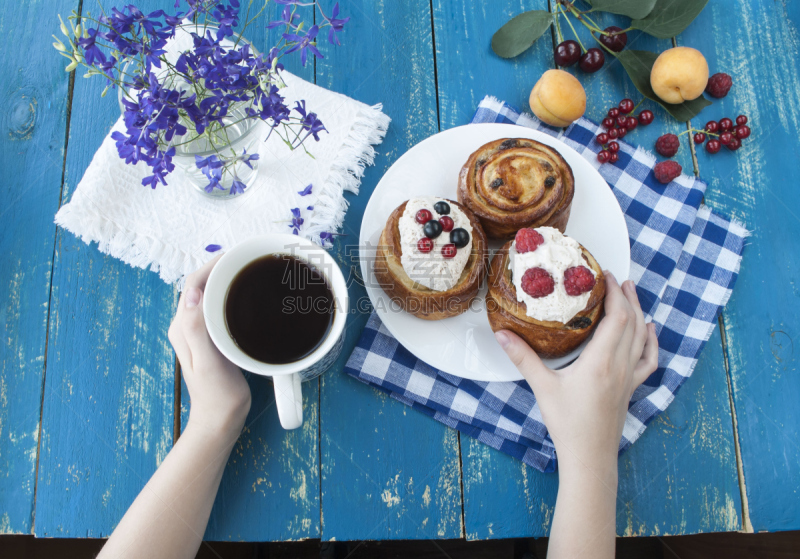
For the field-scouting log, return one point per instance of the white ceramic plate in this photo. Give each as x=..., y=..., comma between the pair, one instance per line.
x=465, y=345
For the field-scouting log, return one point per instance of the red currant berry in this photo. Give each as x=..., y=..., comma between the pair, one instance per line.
x=713, y=146
x=712, y=126
x=423, y=216
x=631, y=123
x=725, y=124
x=615, y=40
x=741, y=119
x=608, y=123
x=447, y=223
x=613, y=112
x=425, y=244
x=567, y=53
x=613, y=147
x=699, y=138
x=742, y=131
x=622, y=120
x=603, y=156
x=621, y=132
x=602, y=138
x=725, y=138
x=449, y=250
x=592, y=60
x=645, y=117
x=613, y=133
x=734, y=144
x=613, y=158
x=626, y=106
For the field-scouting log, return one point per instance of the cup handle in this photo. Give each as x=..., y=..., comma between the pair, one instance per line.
x=289, y=399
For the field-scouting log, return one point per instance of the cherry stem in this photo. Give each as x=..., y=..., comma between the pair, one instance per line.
x=573, y=30
x=696, y=131
x=558, y=27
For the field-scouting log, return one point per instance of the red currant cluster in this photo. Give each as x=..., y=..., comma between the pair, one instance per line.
x=724, y=132
x=617, y=124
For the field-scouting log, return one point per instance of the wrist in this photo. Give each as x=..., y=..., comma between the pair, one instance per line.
x=595, y=467
x=222, y=428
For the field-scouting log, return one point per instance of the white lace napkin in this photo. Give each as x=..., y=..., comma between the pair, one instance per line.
x=169, y=228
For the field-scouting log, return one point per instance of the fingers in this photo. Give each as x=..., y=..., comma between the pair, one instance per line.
x=199, y=278
x=178, y=341
x=609, y=332
x=640, y=329
x=649, y=361
x=525, y=359
x=193, y=323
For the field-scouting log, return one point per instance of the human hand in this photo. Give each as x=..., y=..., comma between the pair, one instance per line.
x=219, y=392
x=585, y=404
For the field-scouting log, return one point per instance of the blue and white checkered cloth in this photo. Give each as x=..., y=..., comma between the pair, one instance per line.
x=684, y=260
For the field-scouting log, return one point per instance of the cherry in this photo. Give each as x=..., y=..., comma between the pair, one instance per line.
x=631, y=123
x=613, y=158
x=626, y=106
x=447, y=223
x=699, y=138
x=613, y=112
x=742, y=131
x=725, y=138
x=449, y=250
x=592, y=60
x=603, y=156
x=741, y=119
x=734, y=144
x=725, y=124
x=608, y=123
x=423, y=216
x=567, y=53
x=425, y=244
x=712, y=126
x=602, y=138
x=645, y=117
x=621, y=132
x=615, y=40
x=713, y=146
x=613, y=147
x=613, y=133
x=622, y=120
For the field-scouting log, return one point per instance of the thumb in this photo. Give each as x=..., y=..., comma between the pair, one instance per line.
x=525, y=359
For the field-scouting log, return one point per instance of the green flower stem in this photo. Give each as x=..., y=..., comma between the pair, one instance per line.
x=574, y=32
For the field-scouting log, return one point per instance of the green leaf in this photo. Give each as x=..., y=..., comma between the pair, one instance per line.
x=669, y=17
x=517, y=36
x=638, y=64
x=635, y=9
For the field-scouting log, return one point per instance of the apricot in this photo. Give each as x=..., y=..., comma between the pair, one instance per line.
x=679, y=74
x=558, y=98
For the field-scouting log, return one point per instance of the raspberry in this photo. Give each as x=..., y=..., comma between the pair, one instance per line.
x=719, y=85
x=578, y=280
x=667, y=145
x=537, y=283
x=528, y=240
x=667, y=170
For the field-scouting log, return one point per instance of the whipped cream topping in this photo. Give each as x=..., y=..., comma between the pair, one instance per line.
x=431, y=269
x=556, y=255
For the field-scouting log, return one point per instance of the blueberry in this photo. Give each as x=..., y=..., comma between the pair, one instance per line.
x=442, y=208
x=432, y=229
x=459, y=237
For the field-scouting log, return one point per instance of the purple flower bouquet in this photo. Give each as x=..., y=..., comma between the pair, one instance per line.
x=193, y=91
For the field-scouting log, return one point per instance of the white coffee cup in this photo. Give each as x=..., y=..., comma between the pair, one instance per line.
x=286, y=377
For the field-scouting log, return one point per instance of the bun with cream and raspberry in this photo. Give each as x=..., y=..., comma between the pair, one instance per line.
x=432, y=257
x=547, y=288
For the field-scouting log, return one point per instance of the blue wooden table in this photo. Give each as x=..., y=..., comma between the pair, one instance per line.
x=90, y=404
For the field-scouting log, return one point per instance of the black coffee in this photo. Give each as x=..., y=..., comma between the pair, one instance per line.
x=279, y=309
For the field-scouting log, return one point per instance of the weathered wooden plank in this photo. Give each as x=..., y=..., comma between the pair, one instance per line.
x=660, y=492
x=108, y=403
x=270, y=488
x=388, y=472
x=758, y=185
x=34, y=94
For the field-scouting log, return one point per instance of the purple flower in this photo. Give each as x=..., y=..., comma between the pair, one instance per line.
x=336, y=25
x=287, y=18
x=310, y=207
x=325, y=237
x=306, y=191
x=297, y=221
x=237, y=187
x=303, y=44
x=213, y=248
x=90, y=50
x=310, y=121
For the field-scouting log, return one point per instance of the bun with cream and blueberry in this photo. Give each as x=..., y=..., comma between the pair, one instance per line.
x=547, y=288
x=432, y=257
